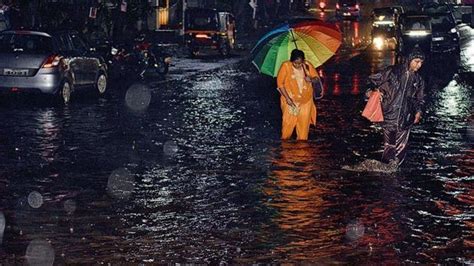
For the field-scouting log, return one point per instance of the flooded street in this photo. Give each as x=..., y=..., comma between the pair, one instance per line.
x=193, y=171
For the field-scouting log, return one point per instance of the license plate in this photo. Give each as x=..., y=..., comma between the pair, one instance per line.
x=438, y=38
x=15, y=72
x=347, y=14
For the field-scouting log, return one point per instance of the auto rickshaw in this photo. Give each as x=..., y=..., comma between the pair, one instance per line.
x=385, y=22
x=209, y=28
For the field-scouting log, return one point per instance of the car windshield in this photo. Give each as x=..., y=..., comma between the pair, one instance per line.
x=202, y=20
x=417, y=24
x=442, y=23
x=349, y=2
x=436, y=9
x=383, y=14
x=25, y=43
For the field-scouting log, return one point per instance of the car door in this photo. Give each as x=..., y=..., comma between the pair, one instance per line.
x=88, y=63
x=70, y=57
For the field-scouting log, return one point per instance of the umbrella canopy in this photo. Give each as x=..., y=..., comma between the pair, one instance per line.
x=318, y=40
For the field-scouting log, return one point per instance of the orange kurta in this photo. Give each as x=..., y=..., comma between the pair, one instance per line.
x=303, y=98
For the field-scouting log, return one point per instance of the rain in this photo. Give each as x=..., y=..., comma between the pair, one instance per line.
x=189, y=168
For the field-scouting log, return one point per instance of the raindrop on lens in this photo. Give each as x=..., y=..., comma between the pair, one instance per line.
x=170, y=148
x=35, y=199
x=70, y=206
x=2, y=226
x=40, y=252
x=138, y=97
x=120, y=184
x=355, y=230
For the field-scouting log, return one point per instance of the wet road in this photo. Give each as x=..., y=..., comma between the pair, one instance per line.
x=193, y=171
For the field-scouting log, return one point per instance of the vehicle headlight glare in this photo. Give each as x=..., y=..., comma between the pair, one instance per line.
x=378, y=43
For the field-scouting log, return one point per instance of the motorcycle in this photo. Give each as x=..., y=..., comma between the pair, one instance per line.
x=141, y=60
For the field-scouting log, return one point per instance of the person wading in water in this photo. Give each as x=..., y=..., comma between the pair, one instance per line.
x=296, y=101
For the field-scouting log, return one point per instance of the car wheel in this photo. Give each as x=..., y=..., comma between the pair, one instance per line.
x=400, y=46
x=65, y=91
x=225, y=49
x=162, y=68
x=101, y=83
x=398, y=58
x=193, y=52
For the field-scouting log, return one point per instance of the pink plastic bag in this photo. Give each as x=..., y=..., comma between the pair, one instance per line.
x=373, y=108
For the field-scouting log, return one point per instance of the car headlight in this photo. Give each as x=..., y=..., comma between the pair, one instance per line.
x=453, y=30
x=378, y=43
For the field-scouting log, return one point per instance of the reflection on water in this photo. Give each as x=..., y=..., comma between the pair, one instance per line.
x=454, y=101
x=355, y=84
x=353, y=37
x=302, y=213
x=321, y=216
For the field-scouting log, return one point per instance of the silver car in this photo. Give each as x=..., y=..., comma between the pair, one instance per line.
x=55, y=64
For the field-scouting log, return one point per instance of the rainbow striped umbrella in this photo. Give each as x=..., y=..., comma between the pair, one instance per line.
x=318, y=40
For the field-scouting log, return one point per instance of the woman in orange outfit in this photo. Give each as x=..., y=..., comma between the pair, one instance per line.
x=296, y=101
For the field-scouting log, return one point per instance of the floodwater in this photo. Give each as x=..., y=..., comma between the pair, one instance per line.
x=193, y=171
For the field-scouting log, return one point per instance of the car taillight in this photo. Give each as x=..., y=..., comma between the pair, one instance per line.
x=202, y=36
x=357, y=6
x=337, y=6
x=51, y=61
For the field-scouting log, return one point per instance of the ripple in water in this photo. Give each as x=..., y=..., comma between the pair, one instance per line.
x=40, y=252
x=35, y=199
x=121, y=184
x=138, y=97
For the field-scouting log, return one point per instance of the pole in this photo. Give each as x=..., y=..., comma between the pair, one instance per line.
x=294, y=39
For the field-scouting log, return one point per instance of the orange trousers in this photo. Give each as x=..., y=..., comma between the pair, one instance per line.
x=306, y=116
